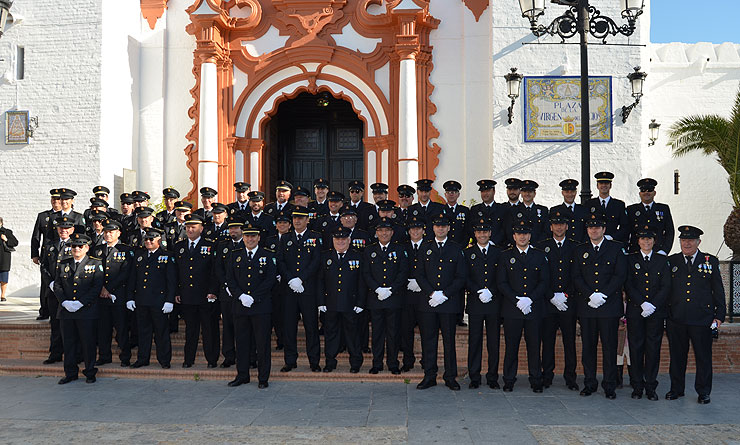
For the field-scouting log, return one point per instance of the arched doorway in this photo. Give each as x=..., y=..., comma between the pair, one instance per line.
x=315, y=136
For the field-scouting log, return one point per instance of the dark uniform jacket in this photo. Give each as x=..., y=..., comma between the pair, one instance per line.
x=265, y=222
x=413, y=256
x=117, y=264
x=560, y=261
x=697, y=295
x=300, y=260
x=527, y=276
x=400, y=235
x=536, y=214
x=605, y=272
x=39, y=235
x=576, y=224
x=207, y=215
x=236, y=208
x=83, y=285
x=51, y=231
x=360, y=239
x=153, y=280
x=658, y=219
x=325, y=225
x=271, y=208
x=136, y=237
x=431, y=210
x=221, y=256
x=52, y=255
x=385, y=269
x=215, y=234
x=195, y=271
x=367, y=215
x=441, y=269
x=254, y=277
x=165, y=217
x=316, y=210
x=6, y=248
x=647, y=281
x=458, y=216
x=340, y=284
x=482, y=274
x=495, y=214
x=616, y=217
x=174, y=232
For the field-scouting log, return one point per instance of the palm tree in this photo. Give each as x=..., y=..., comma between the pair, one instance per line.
x=717, y=136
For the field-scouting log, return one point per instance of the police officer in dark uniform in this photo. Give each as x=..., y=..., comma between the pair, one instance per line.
x=207, y=199
x=56, y=251
x=600, y=270
x=141, y=198
x=359, y=239
x=441, y=275
x=575, y=213
x=513, y=193
x=426, y=208
x=217, y=229
x=258, y=218
x=102, y=192
x=387, y=209
x=614, y=210
x=118, y=260
x=696, y=305
x=241, y=205
x=490, y=210
x=282, y=225
x=175, y=230
x=560, y=310
x=368, y=215
x=405, y=201
x=77, y=284
x=151, y=293
x=196, y=291
x=356, y=190
x=648, y=287
x=320, y=206
x=327, y=223
x=39, y=237
x=66, y=199
x=127, y=217
x=170, y=197
x=225, y=299
x=96, y=205
x=299, y=256
x=385, y=274
x=282, y=192
x=483, y=304
x=523, y=278
x=144, y=221
x=456, y=213
x=251, y=274
x=341, y=296
x=95, y=227
x=409, y=318
x=536, y=214
x=654, y=215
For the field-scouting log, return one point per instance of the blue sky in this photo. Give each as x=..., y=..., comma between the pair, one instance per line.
x=694, y=21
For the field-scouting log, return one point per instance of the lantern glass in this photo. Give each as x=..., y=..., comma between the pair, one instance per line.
x=654, y=128
x=532, y=8
x=632, y=8
x=4, y=11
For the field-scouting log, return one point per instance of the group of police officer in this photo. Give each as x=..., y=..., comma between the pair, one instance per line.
x=344, y=264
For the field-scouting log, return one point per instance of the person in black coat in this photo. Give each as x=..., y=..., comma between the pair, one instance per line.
x=327, y=223
x=251, y=274
x=614, y=210
x=341, y=297
x=226, y=300
x=457, y=214
x=647, y=288
x=283, y=190
x=66, y=210
x=424, y=207
x=483, y=304
x=169, y=197
x=656, y=216
x=441, y=275
x=385, y=273
x=241, y=205
x=574, y=213
x=77, y=284
x=118, y=261
x=536, y=214
x=523, y=278
x=8, y=243
x=488, y=209
x=561, y=309
x=38, y=240
x=258, y=218
x=696, y=306
x=599, y=273
x=409, y=316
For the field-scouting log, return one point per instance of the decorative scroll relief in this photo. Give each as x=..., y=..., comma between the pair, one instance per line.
x=476, y=7
x=269, y=42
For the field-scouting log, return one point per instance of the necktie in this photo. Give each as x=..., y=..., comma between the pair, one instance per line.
x=523, y=255
x=441, y=245
x=570, y=208
x=235, y=244
x=74, y=269
x=484, y=251
x=603, y=203
x=383, y=249
x=192, y=246
x=249, y=255
x=647, y=208
x=341, y=256
x=688, y=261
x=560, y=244
x=416, y=248
x=299, y=238
x=596, y=249
x=61, y=246
x=647, y=258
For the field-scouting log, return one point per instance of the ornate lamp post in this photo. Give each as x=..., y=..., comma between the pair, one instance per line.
x=582, y=19
x=637, y=79
x=513, y=83
x=4, y=10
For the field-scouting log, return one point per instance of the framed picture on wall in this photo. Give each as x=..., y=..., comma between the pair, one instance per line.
x=16, y=127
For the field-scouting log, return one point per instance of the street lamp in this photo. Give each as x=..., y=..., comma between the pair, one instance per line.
x=582, y=19
x=637, y=79
x=654, y=128
x=4, y=10
x=513, y=83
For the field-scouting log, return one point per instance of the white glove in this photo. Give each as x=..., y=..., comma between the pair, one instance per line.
x=485, y=295
x=75, y=306
x=609, y=237
x=662, y=252
x=413, y=286
x=278, y=278
x=322, y=308
x=524, y=304
x=211, y=300
x=439, y=297
x=558, y=300
x=647, y=309
x=383, y=293
x=51, y=286
x=131, y=305
x=67, y=305
x=433, y=302
x=246, y=300
x=112, y=298
x=296, y=285
x=167, y=308
x=358, y=309
x=596, y=300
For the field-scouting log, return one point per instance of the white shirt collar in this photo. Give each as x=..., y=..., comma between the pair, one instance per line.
x=649, y=255
x=257, y=215
x=523, y=251
x=483, y=247
x=693, y=257
x=606, y=200
x=598, y=245
x=304, y=231
x=253, y=251
x=384, y=246
x=562, y=241
x=195, y=241
x=417, y=243
x=444, y=241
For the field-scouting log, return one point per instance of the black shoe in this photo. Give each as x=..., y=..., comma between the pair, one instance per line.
x=508, y=387
x=673, y=395
x=253, y=365
x=51, y=360
x=42, y=317
x=262, y=385
x=428, y=382
x=407, y=368
x=375, y=370
x=652, y=396
x=395, y=371
x=461, y=323
x=80, y=361
x=315, y=368
x=125, y=364
x=165, y=366
x=537, y=389
x=66, y=380
x=494, y=385
x=452, y=384
x=547, y=383
x=586, y=392
x=572, y=386
x=90, y=379
x=703, y=400
x=329, y=368
x=287, y=368
x=636, y=394
x=187, y=365
x=212, y=365
x=237, y=381
x=354, y=370
x=227, y=363
x=366, y=350
x=611, y=395
x=473, y=385
x=138, y=364
x=102, y=362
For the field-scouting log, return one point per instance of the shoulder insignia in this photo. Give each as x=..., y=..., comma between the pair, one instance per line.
x=290, y=243
x=512, y=260
x=66, y=269
x=373, y=255
x=593, y=209
x=585, y=255
x=675, y=268
x=547, y=249
x=472, y=256
x=637, y=213
x=238, y=259
x=182, y=250
x=637, y=265
x=226, y=250
x=140, y=258
x=429, y=252
x=328, y=262
x=519, y=215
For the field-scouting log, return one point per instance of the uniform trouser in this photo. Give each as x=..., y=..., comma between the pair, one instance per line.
x=44, y=304
x=152, y=320
x=227, y=318
x=173, y=318
x=277, y=317
x=645, y=336
x=591, y=330
x=133, y=328
x=252, y=330
x=113, y=316
x=430, y=324
x=334, y=324
x=305, y=304
x=408, y=324
x=198, y=318
x=476, y=323
x=56, y=343
x=679, y=336
x=386, y=325
x=79, y=334
x=566, y=322
x=513, y=328
x=215, y=309
x=363, y=329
